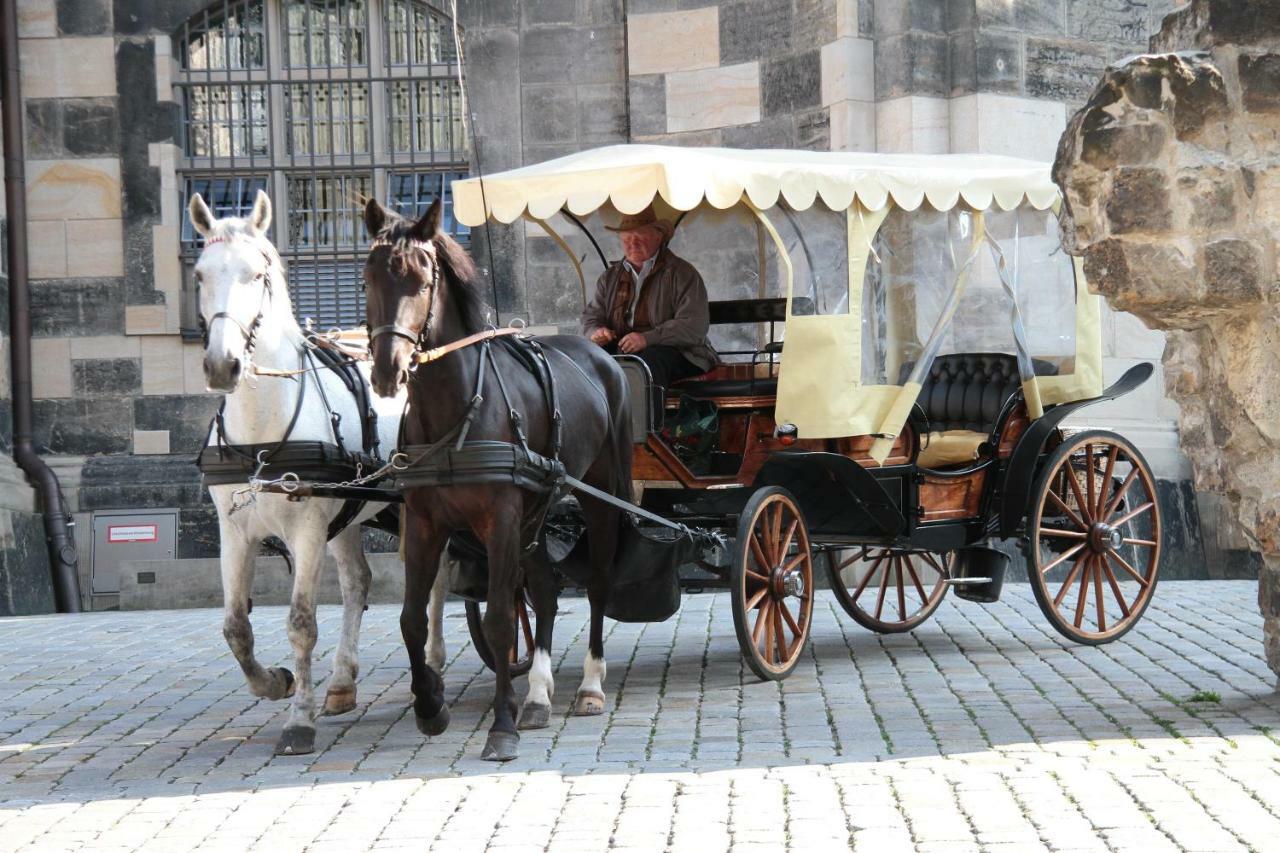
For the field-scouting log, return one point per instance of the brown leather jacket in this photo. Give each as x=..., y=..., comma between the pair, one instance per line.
x=674, y=298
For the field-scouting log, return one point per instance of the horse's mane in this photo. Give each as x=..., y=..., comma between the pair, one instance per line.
x=456, y=267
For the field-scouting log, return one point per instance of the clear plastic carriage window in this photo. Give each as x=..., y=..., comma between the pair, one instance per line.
x=909, y=276
x=817, y=242
x=1043, y=277
x=725, y=247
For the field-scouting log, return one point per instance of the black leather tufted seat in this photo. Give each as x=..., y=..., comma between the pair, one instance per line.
x=968, y=390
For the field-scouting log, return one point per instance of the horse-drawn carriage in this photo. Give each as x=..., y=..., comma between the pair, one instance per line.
x=901, y=342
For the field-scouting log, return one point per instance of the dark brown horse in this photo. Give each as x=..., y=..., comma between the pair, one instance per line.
x=421, y=294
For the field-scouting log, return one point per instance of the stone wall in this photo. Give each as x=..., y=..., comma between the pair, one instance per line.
x=113, y=378
x=1172, y=181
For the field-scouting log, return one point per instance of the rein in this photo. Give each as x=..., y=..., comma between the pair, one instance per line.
x=435, y=353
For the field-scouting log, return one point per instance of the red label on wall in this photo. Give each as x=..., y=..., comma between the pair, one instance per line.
x=132, y=533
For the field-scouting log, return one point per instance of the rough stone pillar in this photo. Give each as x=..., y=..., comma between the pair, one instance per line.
x=1171, y=174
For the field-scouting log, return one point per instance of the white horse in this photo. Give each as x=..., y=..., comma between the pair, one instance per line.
x=249, y=322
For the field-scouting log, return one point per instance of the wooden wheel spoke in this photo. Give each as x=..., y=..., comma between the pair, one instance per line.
x=762, y=620
x=1062, y=534
x=789, y=619
x=757, y=551
x=795, y=561
x=1115, y=588
x=1133, y=514
x=775, y=534
x=1071, y=576
x=1149, y=543
x=1124, y=564
x=902, y=592
x=928, y=558
x=1119, y=495
x=1106, y=477
x=786, y=540
x=1065, y=555
x=856, y=558
x=862, y=584
x=755, y=598
x=1084, y=590
x=1070, y=473
x=1099, y=606
x=779, y=641
x=884, y=587
x=1071, y=514
x=1090, y=484
x=755, y=576
x=916, y=580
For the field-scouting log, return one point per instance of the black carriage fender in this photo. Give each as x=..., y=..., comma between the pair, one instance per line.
x=861, y=487
x=1022, y=470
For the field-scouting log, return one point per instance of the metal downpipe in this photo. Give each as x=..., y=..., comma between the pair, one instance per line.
x=57, y=523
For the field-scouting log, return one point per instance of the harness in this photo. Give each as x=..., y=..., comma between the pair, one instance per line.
x=224, y=463
x=453, y=460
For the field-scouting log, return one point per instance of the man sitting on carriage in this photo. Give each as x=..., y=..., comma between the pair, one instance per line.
x=652, y=304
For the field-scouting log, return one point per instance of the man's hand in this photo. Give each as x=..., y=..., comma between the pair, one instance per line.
x=632, y=343
x=602, y=337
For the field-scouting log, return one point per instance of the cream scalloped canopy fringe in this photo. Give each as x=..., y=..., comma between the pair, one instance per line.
x=630, y=176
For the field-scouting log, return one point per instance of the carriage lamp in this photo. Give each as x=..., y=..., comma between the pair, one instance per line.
x=786, y=434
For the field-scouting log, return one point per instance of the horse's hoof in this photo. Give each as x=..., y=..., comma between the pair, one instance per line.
x=501, y=746
x=534, y=717
x=290, y=687
x=589, y=703
x=432, y=726
x=339, y=701
x=296, y=740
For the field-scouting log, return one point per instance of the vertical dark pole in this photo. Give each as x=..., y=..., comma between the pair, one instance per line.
x=57, y=524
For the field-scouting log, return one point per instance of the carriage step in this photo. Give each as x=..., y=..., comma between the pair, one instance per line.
x=963, y=581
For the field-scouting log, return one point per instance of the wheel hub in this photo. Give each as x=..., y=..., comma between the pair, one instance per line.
x=786, y=583
x=1103, y=537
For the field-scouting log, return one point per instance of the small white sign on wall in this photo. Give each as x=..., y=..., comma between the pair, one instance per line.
x=133, y=533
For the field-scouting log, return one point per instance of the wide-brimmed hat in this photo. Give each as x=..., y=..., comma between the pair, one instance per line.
x=644, y=219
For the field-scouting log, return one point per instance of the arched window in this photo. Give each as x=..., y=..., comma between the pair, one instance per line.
x=319, y=102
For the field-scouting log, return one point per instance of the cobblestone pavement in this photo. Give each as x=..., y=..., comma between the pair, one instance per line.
x=982, y=730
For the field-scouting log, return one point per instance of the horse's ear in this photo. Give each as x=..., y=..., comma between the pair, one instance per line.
x=201, y=215
x=426, y=228
x=375, y=218
x=260, y=218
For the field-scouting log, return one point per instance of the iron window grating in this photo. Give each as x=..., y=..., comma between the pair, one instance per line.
x=354, y=145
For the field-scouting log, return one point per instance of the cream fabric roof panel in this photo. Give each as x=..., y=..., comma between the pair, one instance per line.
x=630, y=176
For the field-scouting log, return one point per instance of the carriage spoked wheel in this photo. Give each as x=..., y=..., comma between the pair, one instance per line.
x=888, y=590
x=1094, y=537
x=522, y=651
x=771, y=579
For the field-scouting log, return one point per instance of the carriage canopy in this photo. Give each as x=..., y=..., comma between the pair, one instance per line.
x=886, y=260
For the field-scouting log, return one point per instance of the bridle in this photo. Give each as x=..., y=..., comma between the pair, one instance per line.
x=418, y=339
x=249, y=332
